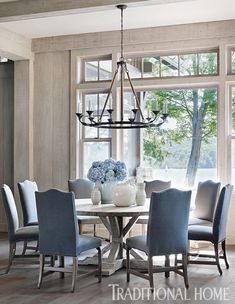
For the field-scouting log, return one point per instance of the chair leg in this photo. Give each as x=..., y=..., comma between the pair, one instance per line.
x=41, y=269
x=185, y=269
x=99, y=265
x=128, y=264
x=74, y=276
x=176, y=262
x=12, y=251
x=217, y=258
x=61, y=264
x=167, y=264
x=37, y=246
x=80, y=229
x=94, y=230
x=150, y=271
x=52, y=262
x=25, y=247
x=143, y=229
x=224, y=254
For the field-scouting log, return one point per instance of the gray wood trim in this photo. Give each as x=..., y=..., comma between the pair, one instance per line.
x=184, y=34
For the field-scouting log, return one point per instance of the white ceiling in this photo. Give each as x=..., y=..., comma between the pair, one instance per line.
x=134, y=17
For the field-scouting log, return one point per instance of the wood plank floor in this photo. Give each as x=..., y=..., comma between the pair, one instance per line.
x=19, y=286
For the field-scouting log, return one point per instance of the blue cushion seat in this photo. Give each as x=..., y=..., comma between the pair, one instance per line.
x=87, y=243
x=28, y=233
x=138, y=242
x=200, y=233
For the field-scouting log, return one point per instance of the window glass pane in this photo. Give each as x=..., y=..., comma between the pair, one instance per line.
x=169, y=66
x=134, y=65
x=208, y=63
x=172, y=152
x=233, y=61
x=188, y=65
x=94, y=151
x=105, y=70
x=91, y=70
x=151, y=67
x=91, y=103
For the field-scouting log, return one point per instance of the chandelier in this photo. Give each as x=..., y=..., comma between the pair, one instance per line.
x=136, y=118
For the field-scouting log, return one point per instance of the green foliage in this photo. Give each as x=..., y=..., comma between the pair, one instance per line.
x=171, y=145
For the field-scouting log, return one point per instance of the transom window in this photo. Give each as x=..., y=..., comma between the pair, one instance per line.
x=203, y=63
x=97, y=69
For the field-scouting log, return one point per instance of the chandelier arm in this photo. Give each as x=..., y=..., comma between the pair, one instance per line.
x=133, y=90
x=109, y=92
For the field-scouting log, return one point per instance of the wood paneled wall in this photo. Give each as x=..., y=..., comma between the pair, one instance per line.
x=52, y=119
x=6, y=131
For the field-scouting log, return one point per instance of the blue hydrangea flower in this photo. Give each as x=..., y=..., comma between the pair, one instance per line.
x=107, y=171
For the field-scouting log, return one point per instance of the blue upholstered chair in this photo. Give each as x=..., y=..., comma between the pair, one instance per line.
x=216, y=233
x=156, y=185
x=59, y=233
x=15, y=233
x=82, y=189
x=28, y=203
x=152, y=186
x=205, y=203
x=167, y=233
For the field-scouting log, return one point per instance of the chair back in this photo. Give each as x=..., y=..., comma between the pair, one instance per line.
x=168, y=222
x=58, y=228
x=11, y=211
x=81, y=187
x=27, y=191
x=156, y=185
x=206, y=200
x=221, y=213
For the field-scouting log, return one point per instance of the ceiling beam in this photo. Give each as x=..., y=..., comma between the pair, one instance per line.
x=31, y=9
x=14, y=46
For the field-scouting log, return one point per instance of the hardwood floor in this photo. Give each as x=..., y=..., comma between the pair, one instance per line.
x=19, y=286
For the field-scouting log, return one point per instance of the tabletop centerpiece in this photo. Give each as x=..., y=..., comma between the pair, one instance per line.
x=106, y=174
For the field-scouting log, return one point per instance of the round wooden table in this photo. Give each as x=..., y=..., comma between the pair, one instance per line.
x=113, y=219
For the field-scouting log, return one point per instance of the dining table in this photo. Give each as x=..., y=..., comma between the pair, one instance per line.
x=118, y=221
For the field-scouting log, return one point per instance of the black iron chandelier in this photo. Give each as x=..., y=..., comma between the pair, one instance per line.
x=136, y=119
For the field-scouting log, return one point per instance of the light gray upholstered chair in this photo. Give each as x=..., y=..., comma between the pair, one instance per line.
x=205, y=203
x=59, y=233
x=216, y=233
x=15, y=233
x=82, y=189
x=28, y=203
x=167, y=234
x=152, y=186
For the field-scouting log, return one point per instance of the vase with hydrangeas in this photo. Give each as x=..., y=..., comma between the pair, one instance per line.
x=107, y=174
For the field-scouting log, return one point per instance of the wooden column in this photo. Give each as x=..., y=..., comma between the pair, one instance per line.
x=23, y=124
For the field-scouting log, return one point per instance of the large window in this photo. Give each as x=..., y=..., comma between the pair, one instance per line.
x=96, y=143
x=184, y=149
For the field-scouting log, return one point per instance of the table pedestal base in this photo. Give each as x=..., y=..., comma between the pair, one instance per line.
x=108, y=268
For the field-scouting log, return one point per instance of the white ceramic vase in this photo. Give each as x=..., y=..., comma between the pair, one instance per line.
x=123, y=195
x=106, y=192
x=95, y=196
x=140, y=194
